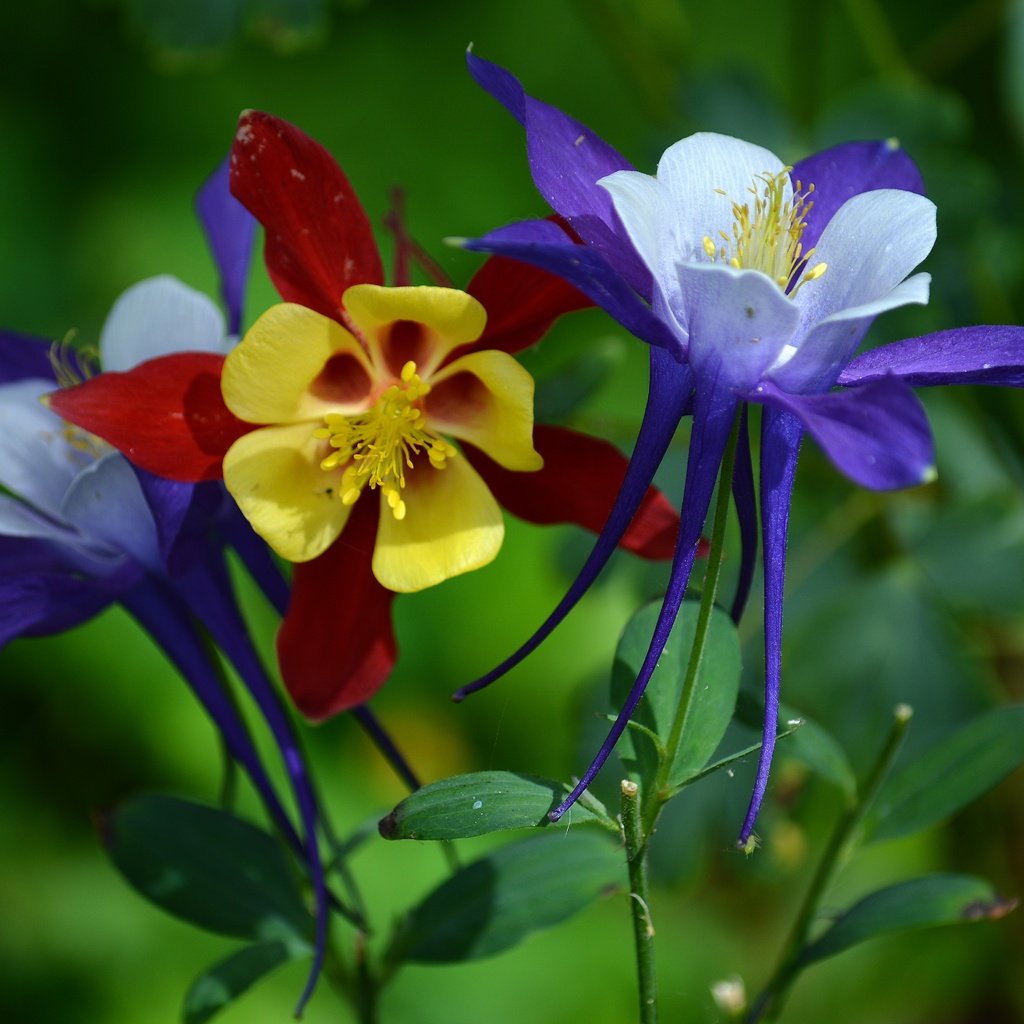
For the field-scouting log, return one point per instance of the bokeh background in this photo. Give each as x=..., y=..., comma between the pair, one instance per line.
x=113, y=112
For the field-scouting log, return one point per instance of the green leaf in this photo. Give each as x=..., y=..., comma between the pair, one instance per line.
x=226, y=981
x=478, y=803
x=495, y=902
x=923, y=902
x=207, y=867
x=714, y=697
x=950, y=775
x=808, y=743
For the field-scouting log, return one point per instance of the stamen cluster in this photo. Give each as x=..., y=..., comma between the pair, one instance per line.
x=767, y=236
x=378, y=445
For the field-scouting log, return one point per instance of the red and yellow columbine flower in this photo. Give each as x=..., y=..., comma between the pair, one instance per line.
x=365, y=431
x=372, y=408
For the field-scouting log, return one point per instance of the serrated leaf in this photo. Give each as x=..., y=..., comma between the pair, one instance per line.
x=923, y=902
x=478, y=803
x=227, y=980
x=495, y=902
x=950, y=775
x=207, y=867
x=714, y=698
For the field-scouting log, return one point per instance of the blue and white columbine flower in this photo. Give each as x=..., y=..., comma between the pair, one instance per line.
x=752, y=282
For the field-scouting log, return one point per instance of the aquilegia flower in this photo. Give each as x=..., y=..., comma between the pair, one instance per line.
x=336, y=419
x=80, y=527
x=753, y=282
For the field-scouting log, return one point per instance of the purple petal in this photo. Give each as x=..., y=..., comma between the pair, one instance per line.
x=171, y=625
x=746, y=511
x=24, y=355
x=169, y=503
x=964, y=355
x=780, y=448
x=382, y=740
x=668, y=401
x=254, y=553
x=230, y=229
x=847, y=170
x=42, y=602
x=208, y=590
x=713, y=415
x=542, y=244
x=877, y=435
x=566, y=160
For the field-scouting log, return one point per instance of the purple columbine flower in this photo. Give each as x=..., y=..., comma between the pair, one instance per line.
x=81, y=527
x=752, y=281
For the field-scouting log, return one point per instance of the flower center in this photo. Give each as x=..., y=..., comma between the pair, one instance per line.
x=766, y=234
x=378, y=445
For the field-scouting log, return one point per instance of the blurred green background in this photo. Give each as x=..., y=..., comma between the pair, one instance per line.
x=113, y=113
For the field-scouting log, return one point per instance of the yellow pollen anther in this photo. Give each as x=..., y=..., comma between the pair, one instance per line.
x=766, y=233
x=377, y=446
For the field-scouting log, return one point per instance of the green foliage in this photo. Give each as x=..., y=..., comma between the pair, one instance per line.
x=950, y=775
x=923, y=902
x=481, y=802
x=715, y=692
x=226, y=981
x=209, y=868
x=495, y=902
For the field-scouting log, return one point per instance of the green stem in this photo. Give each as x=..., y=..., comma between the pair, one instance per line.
x=662, y=790
x=643, y=928
x=769, y=1004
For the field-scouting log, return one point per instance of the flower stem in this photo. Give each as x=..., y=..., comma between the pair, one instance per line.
x=712, y=574
x=643, y=928
x=769, y=1004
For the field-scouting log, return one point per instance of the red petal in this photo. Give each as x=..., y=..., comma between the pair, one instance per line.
x=522, y=302
x=578, y=484
x=167, y=414
x=318, y=237
x=336, y=646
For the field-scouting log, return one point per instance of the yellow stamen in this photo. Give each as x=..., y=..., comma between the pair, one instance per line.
x=766, y=234
x=377, y=447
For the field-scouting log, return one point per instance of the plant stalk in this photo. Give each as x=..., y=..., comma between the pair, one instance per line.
x=643, y=927
x=769, y=1004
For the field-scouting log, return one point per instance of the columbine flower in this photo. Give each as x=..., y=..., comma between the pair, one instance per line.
x=387, y=417
x=80, y=527
x=753, y=282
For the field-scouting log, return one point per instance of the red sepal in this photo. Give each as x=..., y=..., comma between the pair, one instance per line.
x=522, y=301
x=578, y=484
x=166, y=414
x=336, y=646
x=318, y=237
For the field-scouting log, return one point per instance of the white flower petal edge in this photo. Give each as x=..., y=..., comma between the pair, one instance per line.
x=871, y=244
x=696, y=171
x=830, y=345
x=159, y=316
x=37, y=462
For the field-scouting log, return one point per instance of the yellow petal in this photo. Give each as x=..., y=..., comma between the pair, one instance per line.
x=452, y=525
x=486, y=398
x=274, y=474
x=422, y=324
x=294, y=364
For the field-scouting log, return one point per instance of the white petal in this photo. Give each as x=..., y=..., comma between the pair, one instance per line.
x=815, y=363
x=156, y=317
x=107, y=505
x=37, y=461
x=697, y=170
x=738, y=321
x=870, y=245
